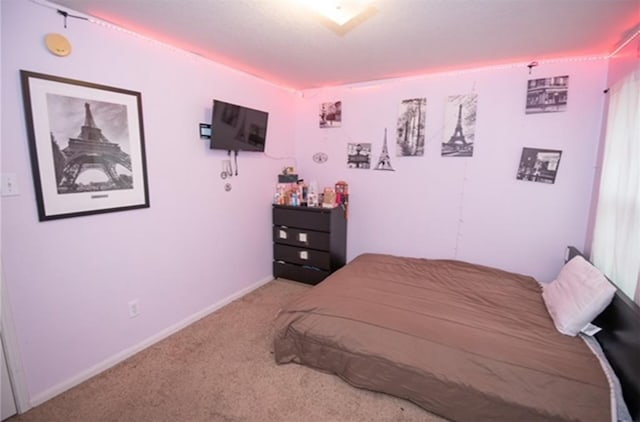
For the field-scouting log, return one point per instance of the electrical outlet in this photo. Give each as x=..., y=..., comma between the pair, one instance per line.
x=134, y=308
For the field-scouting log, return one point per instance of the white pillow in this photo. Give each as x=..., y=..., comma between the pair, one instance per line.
x=577, y=296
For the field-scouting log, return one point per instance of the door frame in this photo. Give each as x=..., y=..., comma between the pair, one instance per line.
x=11, y=349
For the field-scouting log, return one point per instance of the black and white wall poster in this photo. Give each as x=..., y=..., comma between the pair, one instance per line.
x=384, y=162
x=330, y=114
x=411, y=127
x=539, y=165
x=547, y=95
x=460, y=125
x=87, y=146
x=359, y=155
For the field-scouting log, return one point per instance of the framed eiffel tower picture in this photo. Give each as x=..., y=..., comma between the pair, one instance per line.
x=86, y=143
x=384, y=162
x=460, y=125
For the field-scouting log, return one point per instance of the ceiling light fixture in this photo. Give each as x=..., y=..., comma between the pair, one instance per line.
x=339, y=12
x=341, y=16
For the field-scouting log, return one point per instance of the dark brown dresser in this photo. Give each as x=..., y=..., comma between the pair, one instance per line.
x=308, y=243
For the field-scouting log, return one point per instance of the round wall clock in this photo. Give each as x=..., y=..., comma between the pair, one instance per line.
x=320, y=157
x=58, y=44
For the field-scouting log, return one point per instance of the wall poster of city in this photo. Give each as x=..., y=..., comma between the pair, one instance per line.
x=411, y=127
x=547, y=95
x=330, y=114
x=459, y=125
x=359, y=155
x=539, y=165
x=86, y=143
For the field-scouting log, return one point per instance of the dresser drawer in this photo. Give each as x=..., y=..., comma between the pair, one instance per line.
x=302, y=256
x=301, y=237
x=317, y=219
x=308, y=243
x=298, y=272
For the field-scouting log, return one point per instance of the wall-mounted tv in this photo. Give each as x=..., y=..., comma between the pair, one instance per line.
x=237, y=128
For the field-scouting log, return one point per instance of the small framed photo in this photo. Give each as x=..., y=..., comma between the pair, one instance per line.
x=547, y=95
x=330, y=114
x=411, y=127
x=86, y=143
x=359, y=155
x=539, y=165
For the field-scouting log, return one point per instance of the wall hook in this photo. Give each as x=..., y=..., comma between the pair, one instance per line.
x=532, y=65
x=66, y=15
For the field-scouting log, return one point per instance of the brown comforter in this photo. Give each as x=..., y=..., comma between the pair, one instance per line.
x=467, y=342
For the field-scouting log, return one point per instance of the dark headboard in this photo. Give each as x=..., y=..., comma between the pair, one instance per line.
x=620, y=341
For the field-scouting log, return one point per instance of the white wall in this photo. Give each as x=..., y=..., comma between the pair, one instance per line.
x=472, y=209
x=69, y=280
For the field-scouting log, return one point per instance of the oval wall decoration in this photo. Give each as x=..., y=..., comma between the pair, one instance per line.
x=58, y=44
x=320, y=157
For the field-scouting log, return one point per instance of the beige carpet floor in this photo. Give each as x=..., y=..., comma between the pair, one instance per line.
x=221, y=368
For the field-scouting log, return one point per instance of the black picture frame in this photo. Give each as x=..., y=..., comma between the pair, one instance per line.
x=539, y=165
x=547, y=95
x=86, y=143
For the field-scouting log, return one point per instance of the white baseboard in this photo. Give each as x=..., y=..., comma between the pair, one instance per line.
x=119, y=357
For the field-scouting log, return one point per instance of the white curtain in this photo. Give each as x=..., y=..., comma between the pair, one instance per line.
x=616, y=240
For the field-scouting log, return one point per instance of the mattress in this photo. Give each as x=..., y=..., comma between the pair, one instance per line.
x=466, y=342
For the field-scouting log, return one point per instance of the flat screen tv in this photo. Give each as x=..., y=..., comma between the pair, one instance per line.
x=237, y=128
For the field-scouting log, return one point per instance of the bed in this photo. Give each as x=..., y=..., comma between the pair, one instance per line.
x=464, y=341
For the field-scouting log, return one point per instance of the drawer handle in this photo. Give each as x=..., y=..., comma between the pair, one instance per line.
x=302, y=237
x=304, y=255
x=282, y=234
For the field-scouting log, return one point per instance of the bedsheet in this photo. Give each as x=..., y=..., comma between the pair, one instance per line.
x=464, y=341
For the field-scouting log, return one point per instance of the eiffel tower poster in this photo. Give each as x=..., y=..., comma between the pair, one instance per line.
x=90, y=162
x=87, y=146
x=384, y=162
x=460, y=125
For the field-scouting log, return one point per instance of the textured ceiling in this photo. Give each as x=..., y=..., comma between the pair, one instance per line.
x=282, y=41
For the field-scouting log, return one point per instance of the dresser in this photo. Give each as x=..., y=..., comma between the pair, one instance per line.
x=308, y=243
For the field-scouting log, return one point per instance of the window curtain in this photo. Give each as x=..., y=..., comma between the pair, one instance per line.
x=616, y=239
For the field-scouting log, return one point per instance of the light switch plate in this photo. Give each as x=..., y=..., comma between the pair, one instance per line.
x=10, y=184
